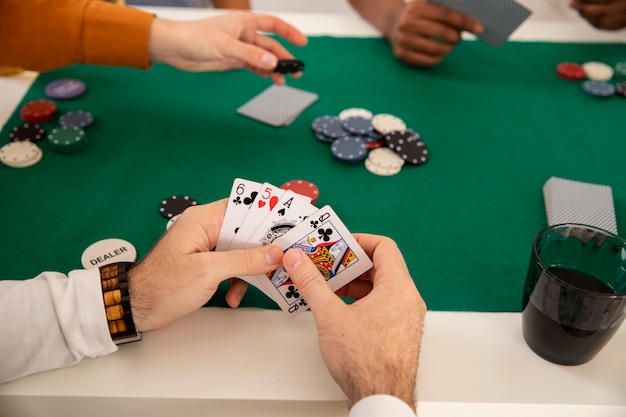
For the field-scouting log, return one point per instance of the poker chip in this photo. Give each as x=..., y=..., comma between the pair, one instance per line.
x=65, y=89
x=68, y=139
x=355, y=112
x=620, y=69
x=108, y=251
x=171, y=222
x=20, y=154
x=620, y=89
x=570, y=71
x=357, y=125
x=598, y=71
x=396, y=138
x=30, y=132
x=386, y=123
x=38, y=111
x=385, y=158
x=329, y=126
x=303, y=187
x=175, y=205
x=349, y=149
x=323, y=138
x=383, y=172
x=79, y=118
x=600, y=89
x=413, y=151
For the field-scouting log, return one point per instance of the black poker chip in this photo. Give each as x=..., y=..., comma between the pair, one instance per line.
x=175, y=205
x=396, y=138
x=28, y=131
x=413, y=151
x=289, y=66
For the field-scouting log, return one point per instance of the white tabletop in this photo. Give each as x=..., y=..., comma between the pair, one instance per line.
x=220, y=362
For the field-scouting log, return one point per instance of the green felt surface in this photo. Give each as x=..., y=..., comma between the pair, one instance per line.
x=498, y=124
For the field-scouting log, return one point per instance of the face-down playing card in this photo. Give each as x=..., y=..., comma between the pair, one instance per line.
x=278, y=105
x=331, y=247
x=499, y=17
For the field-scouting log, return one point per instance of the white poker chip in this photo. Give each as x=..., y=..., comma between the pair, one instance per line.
x=598, y=71
x=386, y=123
x=383, y=172
x=355, y=112
x=385, y=158
x=108, y=251
x=20, y=154
x=171, y=221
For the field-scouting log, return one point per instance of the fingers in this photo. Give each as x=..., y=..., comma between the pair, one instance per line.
x=310, y=282
x=235, y=292
x=603, y=14
x=281, y=28
x=241, y=262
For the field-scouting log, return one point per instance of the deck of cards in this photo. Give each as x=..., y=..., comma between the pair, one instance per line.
x=260, y=214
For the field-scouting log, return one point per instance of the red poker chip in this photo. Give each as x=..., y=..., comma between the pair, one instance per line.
x=303, y=187
x=570, y=71
x=38, y=111
x=374, y=145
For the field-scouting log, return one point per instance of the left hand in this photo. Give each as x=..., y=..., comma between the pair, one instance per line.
x=225, y=42
x=182, y=272
x=602, y=14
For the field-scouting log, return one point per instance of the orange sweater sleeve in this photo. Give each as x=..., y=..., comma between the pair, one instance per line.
x=41, y=35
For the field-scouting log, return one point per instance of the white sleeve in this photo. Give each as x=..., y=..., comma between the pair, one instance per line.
x=381, y=405
x=51, y=321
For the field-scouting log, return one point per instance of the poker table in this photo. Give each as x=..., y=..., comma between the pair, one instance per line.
x=497, y=123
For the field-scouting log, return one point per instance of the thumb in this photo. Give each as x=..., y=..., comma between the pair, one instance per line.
x=309, y=281
x=253, y=261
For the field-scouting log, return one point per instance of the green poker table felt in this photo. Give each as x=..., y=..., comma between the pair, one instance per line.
x=498, y=123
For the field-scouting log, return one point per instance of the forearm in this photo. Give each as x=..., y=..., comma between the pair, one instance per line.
x=51, y=321
x=232, y=4
x=42, y=35
x=382, y=14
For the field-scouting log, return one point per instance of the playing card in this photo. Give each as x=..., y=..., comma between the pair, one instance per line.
x=329, y=244
x=499, y=17
x=570, y=201
x=290, y=211
x=242, y=195
x=266, y=200
x=278, y=105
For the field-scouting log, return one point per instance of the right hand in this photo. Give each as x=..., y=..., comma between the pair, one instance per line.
x=372, y=345
x=424, y=33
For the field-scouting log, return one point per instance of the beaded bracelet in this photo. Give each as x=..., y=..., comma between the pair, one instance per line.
x=114, y=280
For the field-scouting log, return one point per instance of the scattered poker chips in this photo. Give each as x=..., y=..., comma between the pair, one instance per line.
x=20, y=154
x=596, y=76
x=303, y=187
x=30, y=132
x=65, y=89
x=383, y=140
x=620, y=89
x=175, y=205
x=68, y=139
x=38, y=111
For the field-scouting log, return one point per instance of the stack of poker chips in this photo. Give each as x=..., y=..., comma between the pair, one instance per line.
x=357, y=135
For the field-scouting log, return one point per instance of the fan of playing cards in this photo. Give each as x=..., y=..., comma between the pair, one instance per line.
x=262, y=214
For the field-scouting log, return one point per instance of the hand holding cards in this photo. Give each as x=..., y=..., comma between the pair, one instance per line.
x=262, y=214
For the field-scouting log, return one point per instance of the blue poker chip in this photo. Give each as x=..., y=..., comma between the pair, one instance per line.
x=375, y=136
x=79, y=118
x=65, y=88
x=349, y=149
x=330, y=126
x=598, y=88
x=323, y=138
x=357, y=125
x=413, y=133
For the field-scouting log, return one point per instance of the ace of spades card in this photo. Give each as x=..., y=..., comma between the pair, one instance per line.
x=331, y=247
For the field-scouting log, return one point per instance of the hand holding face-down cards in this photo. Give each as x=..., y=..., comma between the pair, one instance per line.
x=262, y=214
